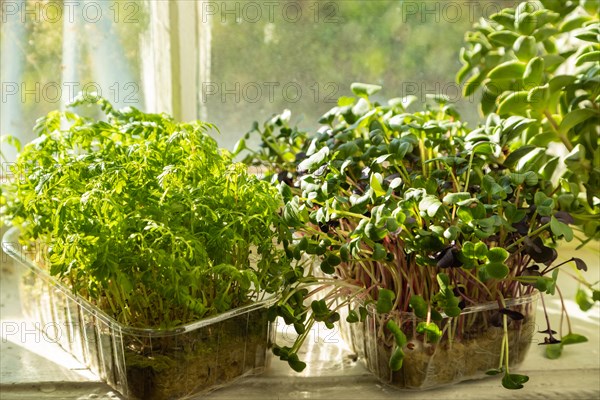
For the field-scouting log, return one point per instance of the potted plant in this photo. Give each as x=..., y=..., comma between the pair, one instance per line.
x=437, y=239
x=155, y=254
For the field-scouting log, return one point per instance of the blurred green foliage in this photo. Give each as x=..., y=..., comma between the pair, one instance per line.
x=408, y=47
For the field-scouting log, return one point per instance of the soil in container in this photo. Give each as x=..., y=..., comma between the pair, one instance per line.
x=204, y=359
x=470, y=346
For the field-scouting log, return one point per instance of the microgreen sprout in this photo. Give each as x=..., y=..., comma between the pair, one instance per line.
x=146, y=217
x=414, y=212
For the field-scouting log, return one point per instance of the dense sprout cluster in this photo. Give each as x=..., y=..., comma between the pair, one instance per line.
x=416, y=212
x=146, y=217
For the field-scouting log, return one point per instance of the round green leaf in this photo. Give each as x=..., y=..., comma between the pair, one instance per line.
x=514, y=103
x=509, y=70
x=497, y=254
x=534, y=72
x=525, y=48
x=364, y=89
x=496, y=270
x=385, y=301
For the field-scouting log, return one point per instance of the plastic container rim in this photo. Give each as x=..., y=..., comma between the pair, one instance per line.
x=487, y=306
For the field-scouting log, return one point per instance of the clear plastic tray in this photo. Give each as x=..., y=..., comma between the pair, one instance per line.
x=144, y=363
x=470, y=345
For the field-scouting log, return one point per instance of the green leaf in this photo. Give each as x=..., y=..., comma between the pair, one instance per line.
x=514, y=103
x=352, y=317
x=419, y=306
x=496, y=270
x=592, y=56
x=545, y=33
x=443, y=280
x=385, y=301
x=554, y=350
x=375, y=182
x=582, y=300
x=473, y=83
x=526, y=23
x=430, y=204
x=491, y=187
x=345, y=252
x=431, y=331
x=452, y=311
x=379, y=252
x=552, y=61
x=574, y=23
x=396, y=359
x=285, y=191
x=303, y=243
x=504, y=38
x=462, y=73
x=451, y=233
x=574, y=118
x=319, y=308
x=239, y=146
x=514, y=381
x=504, y=18
x=541, y=284
x=333, y=260
x=516, y=155
x=497, y=254
x=573, y=338
x=525, y=48
x=543, y=139
x=363, y=313
x=391, y=224
x=345, y=101
x=495, y=371
x=540, y=198
x=374, y=233
x=11, y=141
x=299, y=328
x=561, y=229
x=364, y=89
x=399, y=336
x=538, y=97
x=517, y=178
x=481, y=250
x=295, y=363
x=327, y=268
x=454, y=198
x=508, y=70
x=589, y=35
x=513, y=214
x=314, y=161
x=291, y=213
x=531, y=178
x=534, y=72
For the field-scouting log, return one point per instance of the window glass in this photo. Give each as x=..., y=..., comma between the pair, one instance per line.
x=52, y=50
x=303, y=55
x=229, y=62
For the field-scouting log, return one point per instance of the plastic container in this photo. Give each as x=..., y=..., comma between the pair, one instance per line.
x=470, y=345
x=144, y=363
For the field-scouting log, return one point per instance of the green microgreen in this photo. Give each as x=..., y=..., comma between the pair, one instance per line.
x=147, y=217
x=414, y=211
